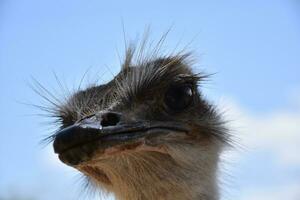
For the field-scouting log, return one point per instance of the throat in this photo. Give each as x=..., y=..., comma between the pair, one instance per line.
x=151, y=175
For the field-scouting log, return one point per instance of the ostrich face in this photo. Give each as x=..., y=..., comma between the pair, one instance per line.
x=149, y=121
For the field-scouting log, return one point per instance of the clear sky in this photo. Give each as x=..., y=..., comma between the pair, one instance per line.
x=252, y=46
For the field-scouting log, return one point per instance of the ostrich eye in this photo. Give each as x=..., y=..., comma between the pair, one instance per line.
x=178, y=97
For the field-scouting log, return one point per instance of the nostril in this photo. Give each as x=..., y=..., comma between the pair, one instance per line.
x=110, y=119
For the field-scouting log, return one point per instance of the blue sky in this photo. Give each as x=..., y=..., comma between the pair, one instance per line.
x=253, y=46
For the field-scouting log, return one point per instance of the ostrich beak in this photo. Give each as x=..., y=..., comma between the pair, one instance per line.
x=77, y=143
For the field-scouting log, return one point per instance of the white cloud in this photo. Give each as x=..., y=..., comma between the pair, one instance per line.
x=278, y=134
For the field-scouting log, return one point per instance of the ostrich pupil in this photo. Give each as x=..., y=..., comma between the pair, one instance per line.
x=178, y=97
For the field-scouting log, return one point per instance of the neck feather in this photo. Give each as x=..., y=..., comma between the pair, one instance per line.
x=153, y=175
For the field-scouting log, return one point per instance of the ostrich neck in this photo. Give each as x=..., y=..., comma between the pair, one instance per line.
x=182, y=190
x=153, y=177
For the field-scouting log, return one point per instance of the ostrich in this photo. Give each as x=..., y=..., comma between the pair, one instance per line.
x=147, y=134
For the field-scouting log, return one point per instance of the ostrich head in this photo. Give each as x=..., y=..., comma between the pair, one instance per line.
x=147, y=134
